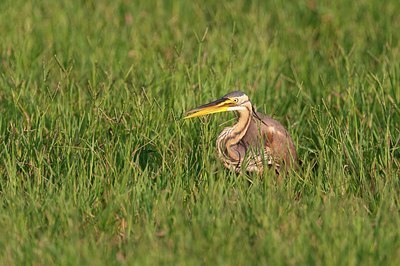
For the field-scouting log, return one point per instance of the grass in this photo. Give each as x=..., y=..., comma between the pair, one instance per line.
x=97, y=167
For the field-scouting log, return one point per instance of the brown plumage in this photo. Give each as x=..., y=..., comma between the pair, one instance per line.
x=255, y=141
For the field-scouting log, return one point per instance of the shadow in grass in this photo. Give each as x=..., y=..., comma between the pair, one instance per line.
x=149, y=158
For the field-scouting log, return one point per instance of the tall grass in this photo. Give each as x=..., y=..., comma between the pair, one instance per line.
x=97, y=166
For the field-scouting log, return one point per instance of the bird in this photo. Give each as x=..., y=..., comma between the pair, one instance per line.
x=255, y=142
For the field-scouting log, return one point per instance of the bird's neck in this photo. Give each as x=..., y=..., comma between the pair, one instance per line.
x=231, y=136
x=238, y=130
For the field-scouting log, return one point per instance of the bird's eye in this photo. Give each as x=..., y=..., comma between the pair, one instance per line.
x=236, y=100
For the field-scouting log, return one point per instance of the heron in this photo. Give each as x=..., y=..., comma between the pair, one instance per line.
x=254, y=142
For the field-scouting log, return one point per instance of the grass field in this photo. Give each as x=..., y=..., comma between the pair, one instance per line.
x=98, y=168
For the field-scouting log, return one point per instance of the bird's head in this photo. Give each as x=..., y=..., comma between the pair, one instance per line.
x=234, y=101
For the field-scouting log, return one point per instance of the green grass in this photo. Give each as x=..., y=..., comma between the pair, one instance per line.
x=97, y=166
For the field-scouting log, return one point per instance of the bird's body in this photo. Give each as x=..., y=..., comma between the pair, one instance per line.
x=255, y=141
x=265, y=143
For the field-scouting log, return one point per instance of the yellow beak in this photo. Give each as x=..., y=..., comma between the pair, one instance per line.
x=220, y=105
